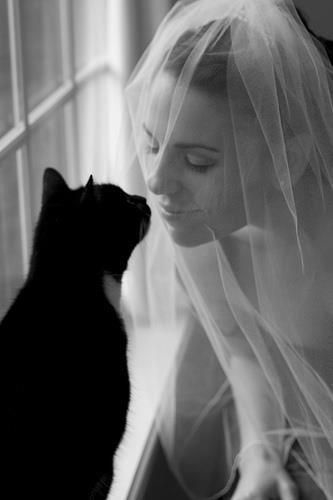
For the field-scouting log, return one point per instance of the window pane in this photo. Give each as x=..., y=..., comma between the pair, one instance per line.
x=89, y=30
x=11, y=264
x=93, y=129
x=40, y=22
x=47, y=149
x=6, y=108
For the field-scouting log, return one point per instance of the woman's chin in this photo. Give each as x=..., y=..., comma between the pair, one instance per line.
x=190, y=237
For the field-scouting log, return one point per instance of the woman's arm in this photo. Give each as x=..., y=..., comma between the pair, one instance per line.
x=260, y=462
x=258, y=412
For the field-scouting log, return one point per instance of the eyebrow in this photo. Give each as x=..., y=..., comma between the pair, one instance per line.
x=183, y=145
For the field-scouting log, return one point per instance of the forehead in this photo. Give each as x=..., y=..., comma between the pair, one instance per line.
x=191, y=114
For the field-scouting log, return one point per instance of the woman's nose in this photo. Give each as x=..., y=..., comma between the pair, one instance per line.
x=163, y=178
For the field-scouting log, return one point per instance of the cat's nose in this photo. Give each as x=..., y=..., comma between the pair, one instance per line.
x=141, y=203
x=138, y=199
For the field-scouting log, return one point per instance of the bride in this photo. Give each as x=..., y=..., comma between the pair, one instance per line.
x=231, y=109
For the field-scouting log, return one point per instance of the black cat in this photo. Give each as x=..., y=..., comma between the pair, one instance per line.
x=63, y=354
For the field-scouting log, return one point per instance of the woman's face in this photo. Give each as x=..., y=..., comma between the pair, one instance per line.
x=192, y=171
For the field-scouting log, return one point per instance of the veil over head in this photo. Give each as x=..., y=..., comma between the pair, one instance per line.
x=241, y=241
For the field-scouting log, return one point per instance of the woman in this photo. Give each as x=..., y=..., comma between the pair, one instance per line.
x=232, y=119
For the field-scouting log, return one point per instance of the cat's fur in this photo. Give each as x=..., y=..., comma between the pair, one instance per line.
x=63, y=346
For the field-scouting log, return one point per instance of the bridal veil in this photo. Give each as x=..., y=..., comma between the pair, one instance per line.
x=256, y=272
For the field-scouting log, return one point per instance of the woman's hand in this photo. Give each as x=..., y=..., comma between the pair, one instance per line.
x=264, y=478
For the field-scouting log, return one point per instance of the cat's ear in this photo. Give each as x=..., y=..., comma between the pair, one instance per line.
x=88, y=194
x=53, y=184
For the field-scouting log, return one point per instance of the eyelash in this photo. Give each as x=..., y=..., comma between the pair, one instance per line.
x=197, y=168
x=202, y=169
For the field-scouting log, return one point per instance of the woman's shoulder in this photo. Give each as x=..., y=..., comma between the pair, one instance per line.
x=240, y=248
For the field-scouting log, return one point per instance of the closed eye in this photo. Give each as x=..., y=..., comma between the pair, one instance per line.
x=152, y=149
x=198, y=163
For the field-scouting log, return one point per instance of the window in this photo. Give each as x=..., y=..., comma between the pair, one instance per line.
x=56, y=75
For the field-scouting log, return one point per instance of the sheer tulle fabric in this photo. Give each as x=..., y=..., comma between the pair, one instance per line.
x=259, y=276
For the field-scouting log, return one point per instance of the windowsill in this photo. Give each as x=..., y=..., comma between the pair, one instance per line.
x=147, y=352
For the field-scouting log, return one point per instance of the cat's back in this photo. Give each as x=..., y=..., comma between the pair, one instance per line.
x=66, y=385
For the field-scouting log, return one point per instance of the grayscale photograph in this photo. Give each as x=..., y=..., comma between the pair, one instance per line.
x=166, y=249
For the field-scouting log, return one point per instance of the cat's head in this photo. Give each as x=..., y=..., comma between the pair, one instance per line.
x=96, y=226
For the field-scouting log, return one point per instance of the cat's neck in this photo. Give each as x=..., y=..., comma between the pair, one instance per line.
x=56, y=272
x=71, y=277
x=112, y=290
x=81, y=285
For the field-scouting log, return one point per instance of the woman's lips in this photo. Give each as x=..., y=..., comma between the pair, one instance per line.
x=172, y=213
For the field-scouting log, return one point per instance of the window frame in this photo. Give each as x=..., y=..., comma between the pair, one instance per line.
x=15, y=140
